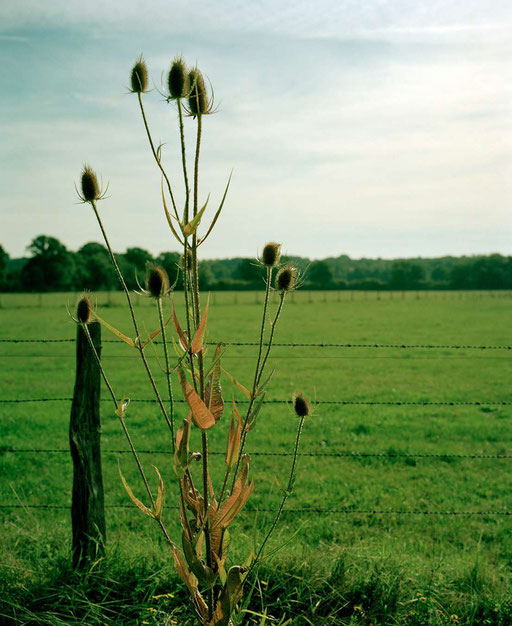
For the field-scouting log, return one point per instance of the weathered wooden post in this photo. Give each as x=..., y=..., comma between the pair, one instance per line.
x=87, y=506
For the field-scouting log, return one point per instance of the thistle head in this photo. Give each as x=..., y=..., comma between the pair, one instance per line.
x=84, y=309
x=271, y=254
x=285, y=279
x=178, y=81
x=301, y=405
x=157, y=281
x=198, y=102
x=139, y=76
x=89, y=185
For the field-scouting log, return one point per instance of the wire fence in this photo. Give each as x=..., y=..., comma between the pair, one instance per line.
x=481, y=403
x=304, y=511
x=400, y=346
x=341, y=454
x=346, y=454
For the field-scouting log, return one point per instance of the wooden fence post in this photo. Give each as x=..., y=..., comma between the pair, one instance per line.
x=87, y=507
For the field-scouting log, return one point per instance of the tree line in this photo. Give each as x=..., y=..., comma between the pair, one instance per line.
x=50, y=266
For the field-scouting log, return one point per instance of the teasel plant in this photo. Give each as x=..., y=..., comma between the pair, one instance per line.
x=206, y=512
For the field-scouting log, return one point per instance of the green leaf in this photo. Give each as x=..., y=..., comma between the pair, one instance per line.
x=191, y=227
x=116, y=332
x=216, y=217
x=133, y=498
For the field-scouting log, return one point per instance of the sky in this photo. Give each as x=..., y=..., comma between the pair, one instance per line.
x=373, y=129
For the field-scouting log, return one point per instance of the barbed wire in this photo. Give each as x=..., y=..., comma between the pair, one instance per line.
x=303, y=511
x=316, y=403
x=340, y=454
x=401, y=346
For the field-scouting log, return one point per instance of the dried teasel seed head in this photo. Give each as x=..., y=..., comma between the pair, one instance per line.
x=84, y=309
x=89, y=183
x=139, y=76
x=271, y=254
x=285, y=279
x=178, y=81
x=157, y=281
x=198, y=99
x=301, y=405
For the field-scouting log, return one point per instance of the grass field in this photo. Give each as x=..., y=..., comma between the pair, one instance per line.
x=348, y=567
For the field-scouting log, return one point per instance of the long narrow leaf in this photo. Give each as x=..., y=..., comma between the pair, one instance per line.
x=180, y=333
x=114, y=331
x=216, y=217
x=191, y=227
x=134, y=499
x=168, y=215
x=197, y=342
x=243, y=389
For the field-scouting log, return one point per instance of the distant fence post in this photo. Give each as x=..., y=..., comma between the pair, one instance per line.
x=87, y=507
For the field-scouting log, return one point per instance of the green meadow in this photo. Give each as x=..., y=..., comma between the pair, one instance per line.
x=407, y=503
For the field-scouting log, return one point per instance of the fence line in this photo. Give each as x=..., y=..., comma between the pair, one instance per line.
x=401, y=346
x=342, y=454
x=305, y=511
x=314, y=402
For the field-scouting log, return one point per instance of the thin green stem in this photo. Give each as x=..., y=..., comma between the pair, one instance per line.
x=134, y=319
x=167, y=371
x=155, y=155
x=258, y=374
x=284, y=498
x=271, y=338
x=125, y=429
x=183, y=160
x=262, y=331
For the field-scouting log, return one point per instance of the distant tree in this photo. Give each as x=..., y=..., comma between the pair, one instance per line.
x=92, y=248
x=94, y=269
x=250, y=272
x=51, y=268
x=138, y=257
x=406, y=275
x=319, y=275
x=4, y=260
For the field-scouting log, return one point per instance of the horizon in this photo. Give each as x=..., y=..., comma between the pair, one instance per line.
x=384, y=130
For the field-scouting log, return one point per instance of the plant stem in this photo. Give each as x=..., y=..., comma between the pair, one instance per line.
x=157, y=159
x=183, y=161
x=258, y=374
x=167, y=370
x=134, y=320
x=271, y=338
x=125, y=429
x=285, y=496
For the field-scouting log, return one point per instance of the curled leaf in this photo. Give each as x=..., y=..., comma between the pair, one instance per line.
x=133, y=498
x=157, y=511
x=121, y=407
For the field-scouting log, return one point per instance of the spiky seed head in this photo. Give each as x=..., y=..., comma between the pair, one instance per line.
x=90, y=187
x=285, y=279
x=301, y=405
x=178, y=80
x=271, y=254
x=84, y=309
x=139, y=76
x=198, y=98
x=157, y=281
